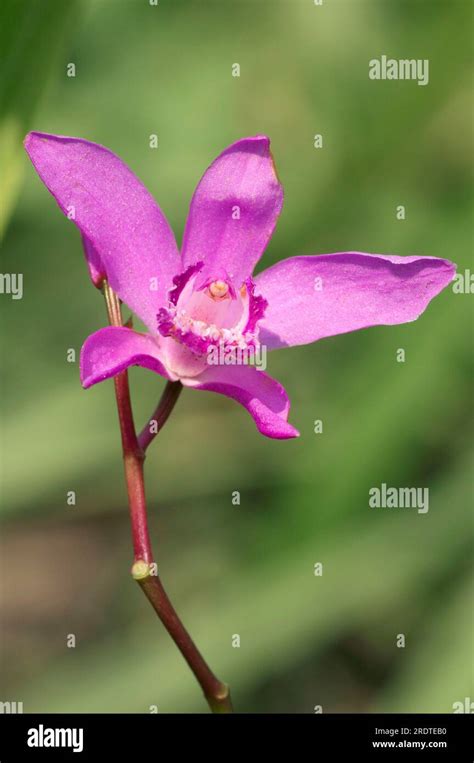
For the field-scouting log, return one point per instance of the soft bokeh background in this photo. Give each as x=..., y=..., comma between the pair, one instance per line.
x=247, y=569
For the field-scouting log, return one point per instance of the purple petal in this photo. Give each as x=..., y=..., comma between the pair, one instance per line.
x=113, y=349
x=116, y=214
x=318, y=296
x=263, y=397
x=241, y=181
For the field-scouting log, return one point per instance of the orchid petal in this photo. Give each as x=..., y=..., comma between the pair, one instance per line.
x=263, y=397
x=111, y=350
x=233, y=211
x=323, y=295
x=119, y=219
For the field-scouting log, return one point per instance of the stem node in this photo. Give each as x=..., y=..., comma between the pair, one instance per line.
x=140, y=569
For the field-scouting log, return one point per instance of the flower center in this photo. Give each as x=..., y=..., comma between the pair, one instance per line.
x=200, y=315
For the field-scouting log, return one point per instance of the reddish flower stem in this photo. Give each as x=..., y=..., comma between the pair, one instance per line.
x=144, y=572
x=160, y=415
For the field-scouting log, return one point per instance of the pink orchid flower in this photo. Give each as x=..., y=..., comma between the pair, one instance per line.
x=207, y=296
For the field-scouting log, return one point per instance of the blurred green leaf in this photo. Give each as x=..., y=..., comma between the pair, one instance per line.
x=32, y=39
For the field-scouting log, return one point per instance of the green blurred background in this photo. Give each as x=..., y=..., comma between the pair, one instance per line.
x=248, y=569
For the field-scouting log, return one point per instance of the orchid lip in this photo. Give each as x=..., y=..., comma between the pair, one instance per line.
x=211, y=314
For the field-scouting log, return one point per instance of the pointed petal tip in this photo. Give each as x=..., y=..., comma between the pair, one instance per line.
x=263, y=139
x=282, y=431
x=446, y=268
x=29, y=141
x=255, y=143
x=33, y=140
x=452, y=267
x=34, y=135
x=86, y=378
x=290, y=434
